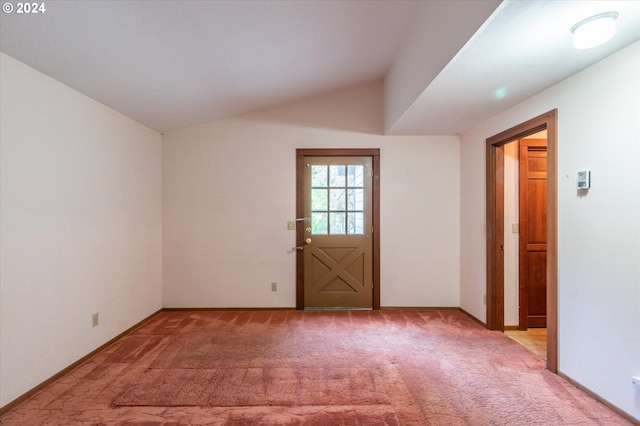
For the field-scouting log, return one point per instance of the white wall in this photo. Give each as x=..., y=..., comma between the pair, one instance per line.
x=598, y=234
x=511, y=239
x=229, y=190
x=80, y=226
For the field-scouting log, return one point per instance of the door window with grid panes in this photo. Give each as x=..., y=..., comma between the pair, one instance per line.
x=337, y=199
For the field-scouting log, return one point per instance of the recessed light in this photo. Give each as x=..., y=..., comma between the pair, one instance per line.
x=595, y=30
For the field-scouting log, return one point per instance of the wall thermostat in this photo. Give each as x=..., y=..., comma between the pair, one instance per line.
x=584, y=180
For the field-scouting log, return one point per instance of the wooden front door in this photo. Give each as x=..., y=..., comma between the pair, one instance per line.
x=337, y=236
x=533, y=233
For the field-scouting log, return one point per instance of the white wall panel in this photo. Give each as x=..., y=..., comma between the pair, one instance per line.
x=229, y=190
x=598, y=231
x=80, y=226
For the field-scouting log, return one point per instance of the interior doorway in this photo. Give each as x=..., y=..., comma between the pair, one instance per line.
x=525, y=235
x=532, y=253
x=495, y=226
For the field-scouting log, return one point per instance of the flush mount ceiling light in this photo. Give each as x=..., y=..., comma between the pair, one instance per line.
x=595, y=30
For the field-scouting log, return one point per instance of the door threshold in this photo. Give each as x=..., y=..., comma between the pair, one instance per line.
x=337, y=308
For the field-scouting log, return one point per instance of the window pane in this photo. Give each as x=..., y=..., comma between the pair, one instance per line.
x=355, y=175
x=337, y=176
x=355, y=223
x=319, y=223
x=355, y=199
x=319, y=199
x=337, y=199
x=336, y=223
x=319, y=176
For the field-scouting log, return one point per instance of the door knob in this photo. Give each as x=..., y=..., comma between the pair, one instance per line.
x=308, y=241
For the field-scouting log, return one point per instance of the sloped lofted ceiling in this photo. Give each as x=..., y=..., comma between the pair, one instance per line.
x=171, y=64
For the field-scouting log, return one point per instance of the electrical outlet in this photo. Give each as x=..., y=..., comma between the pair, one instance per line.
x=274, y=286
x=95, y=319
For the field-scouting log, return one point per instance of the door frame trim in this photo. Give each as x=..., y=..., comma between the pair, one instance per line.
x=495, y=225
x=374, y=153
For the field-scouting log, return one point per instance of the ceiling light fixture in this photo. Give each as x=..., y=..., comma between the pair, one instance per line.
x=594, y=31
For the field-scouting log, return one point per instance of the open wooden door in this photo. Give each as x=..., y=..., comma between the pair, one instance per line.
x=533, y=234
x=495, y=226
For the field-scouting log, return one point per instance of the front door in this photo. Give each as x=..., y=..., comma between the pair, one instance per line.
x=337, y=231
